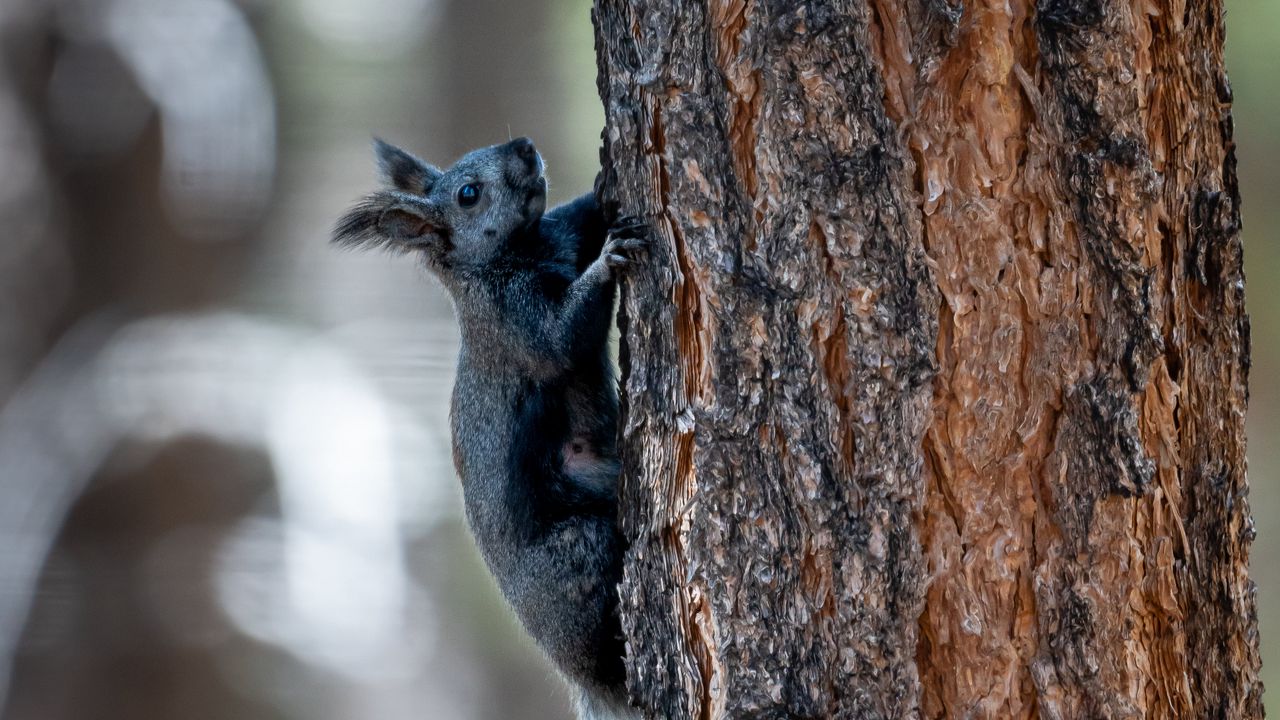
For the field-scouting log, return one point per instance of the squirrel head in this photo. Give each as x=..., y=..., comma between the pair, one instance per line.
x=458, y=218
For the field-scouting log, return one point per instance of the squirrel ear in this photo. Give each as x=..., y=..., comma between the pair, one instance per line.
x=404, y=171
x=405, y=222
x=388, y=218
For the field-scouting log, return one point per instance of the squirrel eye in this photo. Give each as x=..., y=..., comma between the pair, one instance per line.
x=469, y=194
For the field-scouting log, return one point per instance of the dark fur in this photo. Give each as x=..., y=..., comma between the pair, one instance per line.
x=535, y=407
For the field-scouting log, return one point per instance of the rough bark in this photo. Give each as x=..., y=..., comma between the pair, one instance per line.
x=935, y=383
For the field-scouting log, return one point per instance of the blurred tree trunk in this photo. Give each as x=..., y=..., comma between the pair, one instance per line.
x=935, y=382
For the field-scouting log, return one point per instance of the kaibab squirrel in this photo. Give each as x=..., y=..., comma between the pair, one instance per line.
x=535, y=407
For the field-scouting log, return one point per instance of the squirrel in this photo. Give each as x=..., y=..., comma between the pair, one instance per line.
x=535, y=408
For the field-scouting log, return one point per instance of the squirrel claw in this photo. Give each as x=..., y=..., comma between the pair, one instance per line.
x=634, y=245
x=626, y=241
x=629, y=227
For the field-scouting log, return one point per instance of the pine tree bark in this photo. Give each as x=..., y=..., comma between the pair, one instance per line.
x=935, y=382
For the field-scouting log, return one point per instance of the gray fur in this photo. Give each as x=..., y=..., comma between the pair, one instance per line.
x=535, y=410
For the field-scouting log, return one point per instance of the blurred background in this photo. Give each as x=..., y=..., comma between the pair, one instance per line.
x=225, y=477
x=225, y=485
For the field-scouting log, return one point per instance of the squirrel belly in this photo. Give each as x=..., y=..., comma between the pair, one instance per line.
x=552, y=544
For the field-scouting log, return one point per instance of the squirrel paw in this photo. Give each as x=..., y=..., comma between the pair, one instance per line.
x=627, y=240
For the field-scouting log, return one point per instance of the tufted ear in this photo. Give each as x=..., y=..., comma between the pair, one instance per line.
x=404, y=223
x=391, y=219
x=403, y=171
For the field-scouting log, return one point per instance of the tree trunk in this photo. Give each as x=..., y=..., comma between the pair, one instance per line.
x=934, y=384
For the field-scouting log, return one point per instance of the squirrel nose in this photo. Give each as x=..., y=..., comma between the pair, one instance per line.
x=524, y=148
